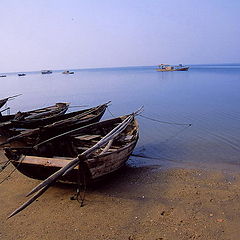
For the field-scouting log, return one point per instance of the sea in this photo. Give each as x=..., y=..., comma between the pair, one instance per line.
x=206, y=96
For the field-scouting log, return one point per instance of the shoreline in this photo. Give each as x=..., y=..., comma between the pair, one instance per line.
x=135, y=203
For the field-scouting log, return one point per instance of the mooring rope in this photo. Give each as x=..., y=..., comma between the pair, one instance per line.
x=81, y=185
x=172, y=123
x=3, y=165
x=11, y=172
x=110, y=112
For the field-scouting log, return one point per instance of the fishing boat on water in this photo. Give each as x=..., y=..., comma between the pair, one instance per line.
x=104, y=147
x=68, y=72
x=30, y=117
x=3, y=75
x=46, y=71
x=54, y=125
x=21, y=74
x=169, y=68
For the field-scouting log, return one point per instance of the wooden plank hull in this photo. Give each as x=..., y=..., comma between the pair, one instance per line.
x=94, y=168
x=63, y=124
x=31, y=119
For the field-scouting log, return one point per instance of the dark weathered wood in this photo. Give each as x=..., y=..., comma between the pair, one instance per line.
x=60, y=125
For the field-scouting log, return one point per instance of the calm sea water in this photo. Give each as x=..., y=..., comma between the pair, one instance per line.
x=206, y=96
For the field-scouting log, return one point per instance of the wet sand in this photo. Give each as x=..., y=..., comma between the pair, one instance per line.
x=137, y=203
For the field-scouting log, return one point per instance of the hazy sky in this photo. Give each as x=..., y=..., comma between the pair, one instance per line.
x=58, y=34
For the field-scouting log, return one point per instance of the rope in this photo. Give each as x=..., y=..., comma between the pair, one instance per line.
x=176, y=134
x=173, y=123
x=110, y=112
x=4, y=165
x=156, y=158
x=81, y=183
x=11, y=172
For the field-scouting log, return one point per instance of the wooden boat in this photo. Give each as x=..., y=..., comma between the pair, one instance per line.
x=35, y=116
x=169, y=68
x=57, y=125
x=110, y=149
x=68, y=72
x=46, y=71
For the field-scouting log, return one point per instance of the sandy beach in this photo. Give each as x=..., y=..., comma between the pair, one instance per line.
x=135, y=203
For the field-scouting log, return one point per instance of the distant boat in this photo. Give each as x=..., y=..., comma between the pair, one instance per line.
x=3, y=75
x=21, y=74
x=46, y=71
x=67, y=72
x=169, y=68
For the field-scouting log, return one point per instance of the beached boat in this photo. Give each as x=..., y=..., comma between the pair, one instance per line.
x=55, y=125
x=46, y=71
x=21, y=74
x=104, y=147
x=10, y=121
x=169, y=68
x=68, y=72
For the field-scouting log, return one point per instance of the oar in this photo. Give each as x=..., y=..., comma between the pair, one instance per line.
x=29, y=201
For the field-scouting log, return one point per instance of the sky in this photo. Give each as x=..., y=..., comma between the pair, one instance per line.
x=72, y=34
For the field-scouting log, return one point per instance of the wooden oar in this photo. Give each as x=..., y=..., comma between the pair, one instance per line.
x=29, y=201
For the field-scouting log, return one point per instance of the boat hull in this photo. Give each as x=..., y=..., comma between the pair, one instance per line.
x=172, y=70
x=93, y=168
x=60, y=125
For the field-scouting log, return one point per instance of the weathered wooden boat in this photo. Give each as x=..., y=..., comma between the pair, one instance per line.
x=57, y=125
x=169, y=68
x=53, y=154
x=83, y=155
x=35, y=116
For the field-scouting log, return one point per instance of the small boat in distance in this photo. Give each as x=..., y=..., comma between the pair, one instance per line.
x=3, y=75
x=169, y=68
x=21, y=74
x=67, y=72
x=46, y=71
